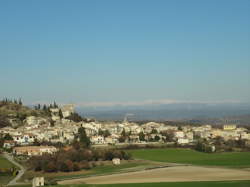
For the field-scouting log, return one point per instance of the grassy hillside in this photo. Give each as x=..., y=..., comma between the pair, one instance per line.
x=125, y=166
x=188, y=156
x=5, y=164
x=16, y=111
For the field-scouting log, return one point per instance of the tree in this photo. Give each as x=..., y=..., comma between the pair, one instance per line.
x=106, y=133
x=76, y=167
x=69, y=164
x=141, y=136
x=157, y=138
x=52, y=123
x=50, y=167
x=75, y=117
x=36, y=142
x=169, y=134
x=83, y=138
x=241, y=143
x=76, y=144
x=8, y=137
x=219, y=140
x=21, y=116
x=1, y=140
x=100, y=132
x=199, y=146
x=20, y=102
x=64, y=167
x=4, y=122
x=55, y=105
x=123, y=133
x=154, y=131
x=123, y=136
x=44, y=107
x=60, y=113
x=122, y=139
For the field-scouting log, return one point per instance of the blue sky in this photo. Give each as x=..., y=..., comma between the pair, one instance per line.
x=130, y=51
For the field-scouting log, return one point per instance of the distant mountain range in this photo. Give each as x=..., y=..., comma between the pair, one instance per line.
x=164, y=112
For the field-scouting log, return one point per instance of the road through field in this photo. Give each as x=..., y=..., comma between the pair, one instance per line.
x=21, y=171
x=169, y=174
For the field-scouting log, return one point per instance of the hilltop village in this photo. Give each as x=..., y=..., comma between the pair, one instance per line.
x=63, y=123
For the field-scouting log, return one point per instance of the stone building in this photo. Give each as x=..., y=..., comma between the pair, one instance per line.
x=116, y=161
x=38, y=181
x=67, y=110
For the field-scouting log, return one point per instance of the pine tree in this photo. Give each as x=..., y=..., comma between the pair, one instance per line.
x=20, y=102
x=83, y=138
x=44, y=107
x=60, y=113
x=55, y=105
x=123, y=133
x=141, y=136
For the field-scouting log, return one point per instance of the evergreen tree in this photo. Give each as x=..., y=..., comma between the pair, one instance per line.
x=83, y=138
x=141, y=136
x=100, y=132
x=157, y=138
x=123, y=133
x=8, y=137
x=20, y=102
x=55, y=105
x=106, y=133
x=154, y=131
x=60, y=113
x=44, y=107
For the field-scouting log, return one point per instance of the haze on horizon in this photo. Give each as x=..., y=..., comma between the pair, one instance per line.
x=125, y=52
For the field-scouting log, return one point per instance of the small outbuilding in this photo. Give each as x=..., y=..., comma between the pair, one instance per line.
x=116, y=161
x=38, y=181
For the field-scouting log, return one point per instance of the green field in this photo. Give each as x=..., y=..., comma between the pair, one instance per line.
x=5, y=163
x=169, y=184
x=188, y=156
x=98, y=170
x=108, y=169
x=5, y=177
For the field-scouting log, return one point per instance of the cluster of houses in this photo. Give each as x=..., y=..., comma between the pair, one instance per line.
x=34, y=150
x=38, y=129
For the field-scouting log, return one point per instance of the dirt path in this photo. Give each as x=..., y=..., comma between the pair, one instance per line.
x=169, y=174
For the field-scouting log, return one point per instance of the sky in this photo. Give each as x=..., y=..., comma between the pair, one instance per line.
x=125, y=51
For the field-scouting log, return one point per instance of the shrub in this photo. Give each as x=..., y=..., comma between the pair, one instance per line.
x=50, y=167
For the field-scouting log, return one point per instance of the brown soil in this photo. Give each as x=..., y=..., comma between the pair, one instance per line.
x=169, y=174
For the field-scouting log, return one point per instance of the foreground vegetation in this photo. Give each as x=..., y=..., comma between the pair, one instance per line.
x=4, y=163
x=102, y=169
x=164, y=184
x=6, y=173
x=188, y=156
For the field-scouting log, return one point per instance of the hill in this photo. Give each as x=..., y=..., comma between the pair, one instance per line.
x=13, y=112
